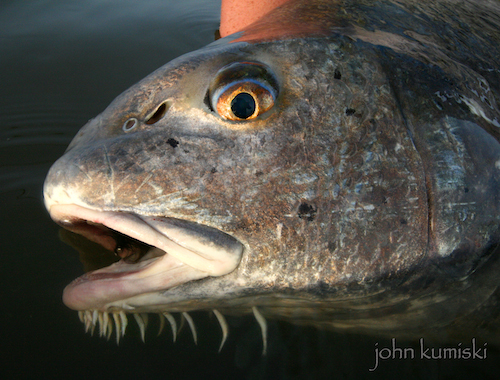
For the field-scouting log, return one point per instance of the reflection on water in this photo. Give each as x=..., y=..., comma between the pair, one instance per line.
x=62, y=62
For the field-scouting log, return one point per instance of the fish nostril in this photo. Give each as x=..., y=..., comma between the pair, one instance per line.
x=130, y=124
x=158, y=114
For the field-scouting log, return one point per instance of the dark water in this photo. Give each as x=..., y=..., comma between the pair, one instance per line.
x=61, y=63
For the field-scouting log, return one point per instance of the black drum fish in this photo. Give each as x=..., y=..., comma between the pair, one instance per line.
x=337, y=163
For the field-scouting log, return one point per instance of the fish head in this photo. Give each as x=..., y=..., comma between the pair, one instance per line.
x=252, y=197
x=280, y=174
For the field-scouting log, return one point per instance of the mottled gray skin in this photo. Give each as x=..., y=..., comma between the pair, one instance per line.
x=367, y=197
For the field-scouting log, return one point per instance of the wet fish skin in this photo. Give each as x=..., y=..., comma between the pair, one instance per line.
x=371, y=185
x=292, y=156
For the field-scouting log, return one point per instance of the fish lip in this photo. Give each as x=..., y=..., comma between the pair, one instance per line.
x=181, y=251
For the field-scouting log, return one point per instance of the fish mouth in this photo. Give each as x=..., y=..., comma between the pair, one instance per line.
x=157, y=253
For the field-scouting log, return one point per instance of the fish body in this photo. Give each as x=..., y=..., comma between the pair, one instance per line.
x=335, y=164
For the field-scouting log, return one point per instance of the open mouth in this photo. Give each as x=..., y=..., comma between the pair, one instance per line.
x=157, y=253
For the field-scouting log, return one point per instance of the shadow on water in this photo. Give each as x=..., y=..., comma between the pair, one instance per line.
x=62, y=62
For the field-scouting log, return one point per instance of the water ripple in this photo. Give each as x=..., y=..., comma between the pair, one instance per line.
x=36, y=123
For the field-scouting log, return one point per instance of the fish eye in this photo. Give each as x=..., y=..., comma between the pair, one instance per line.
x=243, y=100
x=243, y=91
x=243, y=105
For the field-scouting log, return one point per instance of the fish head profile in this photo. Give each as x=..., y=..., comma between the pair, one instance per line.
x=336, y=173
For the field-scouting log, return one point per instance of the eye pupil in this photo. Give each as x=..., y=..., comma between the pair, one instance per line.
x=243, y=105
